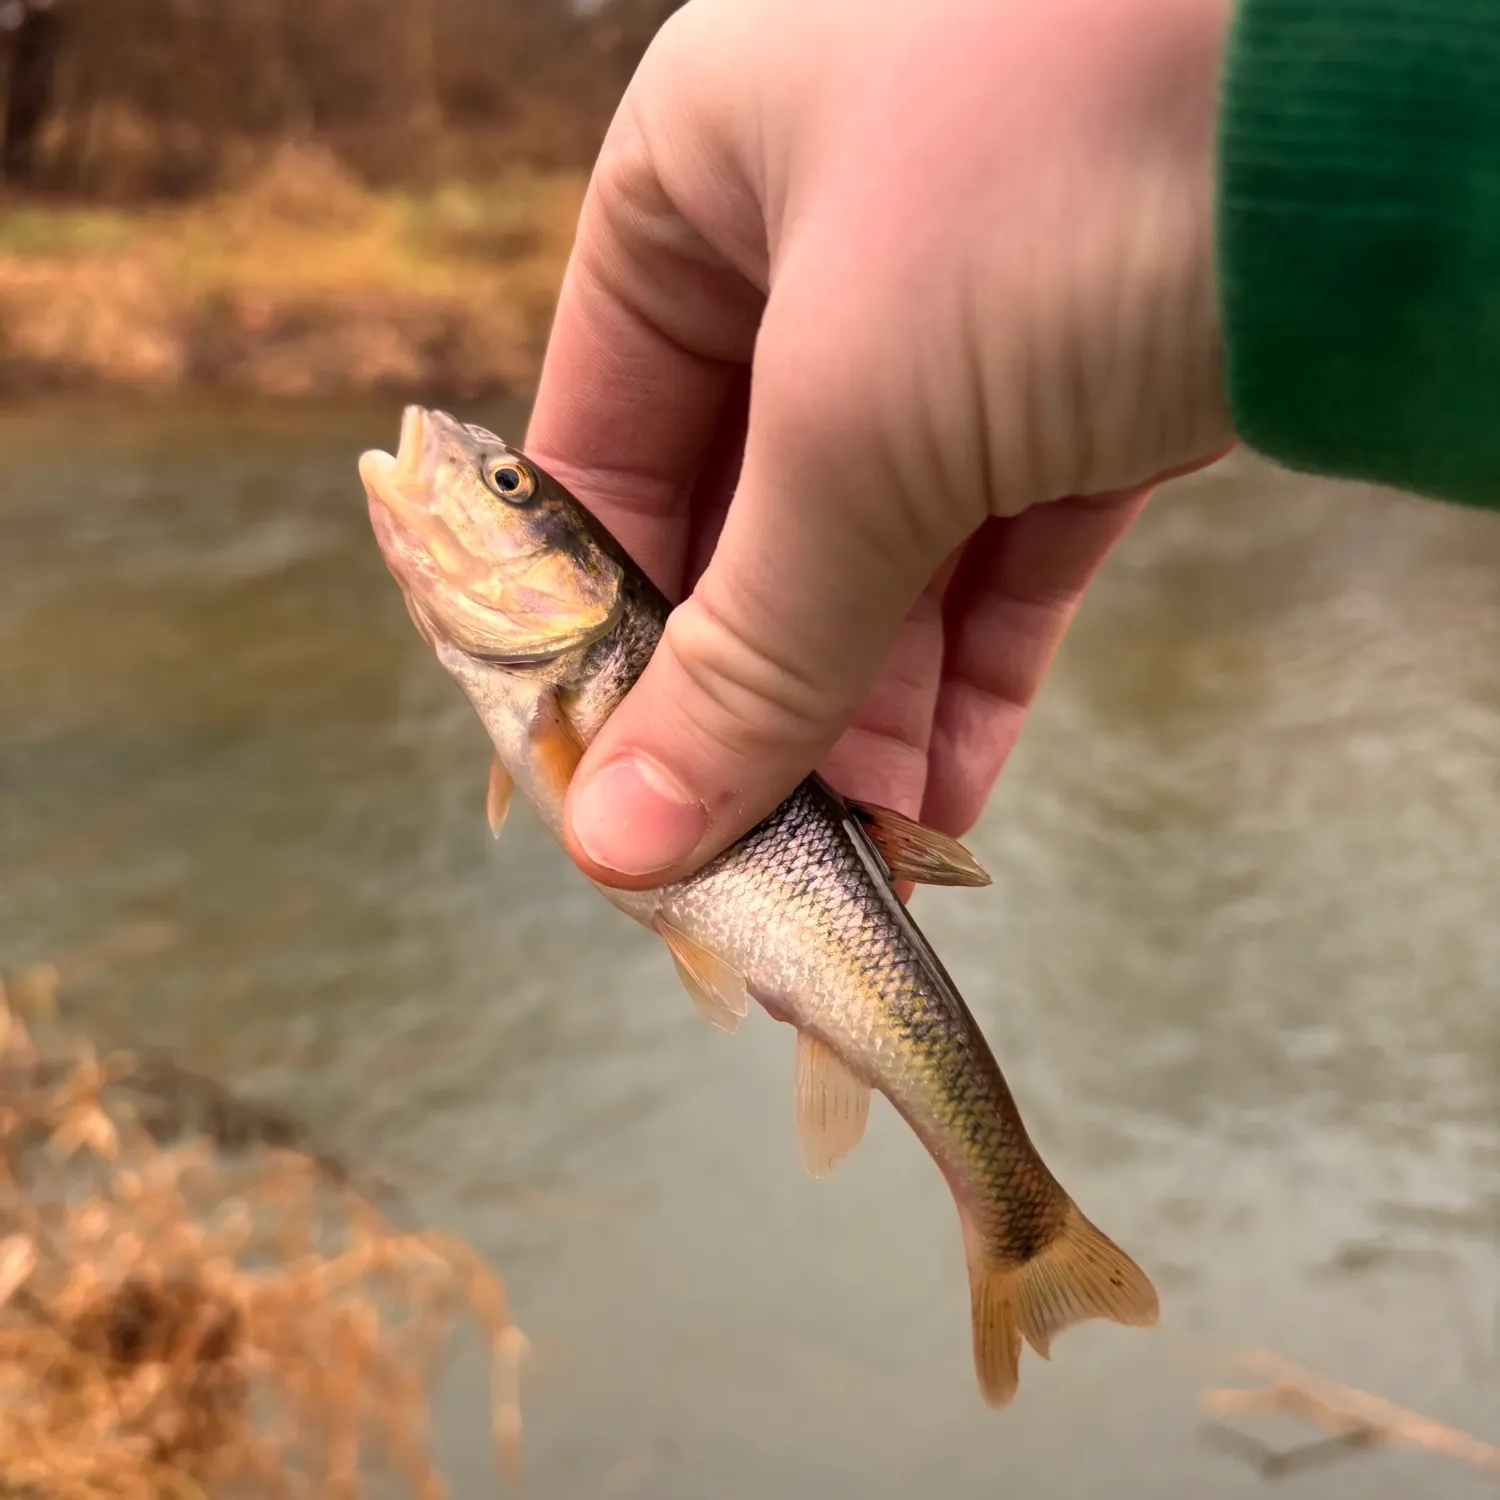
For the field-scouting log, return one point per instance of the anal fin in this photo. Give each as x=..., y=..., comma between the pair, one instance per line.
x=717, y=989
x=833, y=1105
x=917, y=853
x=497, y=796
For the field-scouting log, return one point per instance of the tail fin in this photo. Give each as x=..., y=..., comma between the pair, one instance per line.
x=1081, y=1274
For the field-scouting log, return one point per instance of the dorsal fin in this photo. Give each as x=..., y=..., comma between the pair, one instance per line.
x=915, y=852
x=854, y=829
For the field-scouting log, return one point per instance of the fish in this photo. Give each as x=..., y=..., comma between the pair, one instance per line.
x=545, y=622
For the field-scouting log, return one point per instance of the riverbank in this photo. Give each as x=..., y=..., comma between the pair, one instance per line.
x=299, y=281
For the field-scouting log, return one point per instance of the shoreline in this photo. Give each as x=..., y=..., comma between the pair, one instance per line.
x=301, y=282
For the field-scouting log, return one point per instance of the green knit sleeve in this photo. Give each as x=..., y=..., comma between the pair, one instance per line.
x=1359, y=239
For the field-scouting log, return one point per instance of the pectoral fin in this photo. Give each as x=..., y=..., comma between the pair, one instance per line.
x=497, y=796
x=832, y=1106
x=914, y=852
x=717, y=990
x=556, y=748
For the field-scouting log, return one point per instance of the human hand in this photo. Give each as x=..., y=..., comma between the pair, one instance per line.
x=895, y=277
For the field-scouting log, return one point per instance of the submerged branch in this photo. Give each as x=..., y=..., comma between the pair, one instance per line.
x=1356, y=1420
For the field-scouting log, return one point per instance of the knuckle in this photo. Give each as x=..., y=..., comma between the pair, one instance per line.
x=751, y=690
x=846, y=409
x=823, y=388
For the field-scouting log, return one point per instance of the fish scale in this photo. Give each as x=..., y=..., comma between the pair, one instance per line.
x=545, y=622
x=802, y=870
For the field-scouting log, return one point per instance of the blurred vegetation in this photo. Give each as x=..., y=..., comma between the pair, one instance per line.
x=171, y=98
x=194, y=1301
x=297, y=196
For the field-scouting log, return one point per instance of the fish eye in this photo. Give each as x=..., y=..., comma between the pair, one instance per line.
x=511, y=481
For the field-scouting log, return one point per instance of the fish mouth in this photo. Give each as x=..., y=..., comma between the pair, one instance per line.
x=399, y=486
x=509, y=611
x=397, y=490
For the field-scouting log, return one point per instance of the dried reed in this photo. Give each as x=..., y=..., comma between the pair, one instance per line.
x=206, y=1315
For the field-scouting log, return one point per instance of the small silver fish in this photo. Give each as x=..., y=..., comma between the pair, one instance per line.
x=545, y=623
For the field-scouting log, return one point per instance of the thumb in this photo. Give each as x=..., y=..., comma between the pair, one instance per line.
x=762, y=667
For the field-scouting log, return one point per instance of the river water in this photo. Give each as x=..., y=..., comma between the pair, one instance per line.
x=1240, y=963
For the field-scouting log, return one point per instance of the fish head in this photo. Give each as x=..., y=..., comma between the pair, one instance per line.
x=494, y=557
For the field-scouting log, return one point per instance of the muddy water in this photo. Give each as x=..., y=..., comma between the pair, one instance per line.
x=1240, y=962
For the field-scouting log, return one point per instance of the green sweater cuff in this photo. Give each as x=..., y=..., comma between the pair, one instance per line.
x=1359, y=239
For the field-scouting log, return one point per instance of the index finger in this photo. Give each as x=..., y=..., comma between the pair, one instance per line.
x=652, y=326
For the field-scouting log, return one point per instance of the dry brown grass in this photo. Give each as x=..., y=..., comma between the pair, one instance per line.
x=178, y=1319
x=297, y=197
x=297, y=281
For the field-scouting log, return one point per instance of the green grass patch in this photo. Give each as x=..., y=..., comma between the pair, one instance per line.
x=37, y=232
